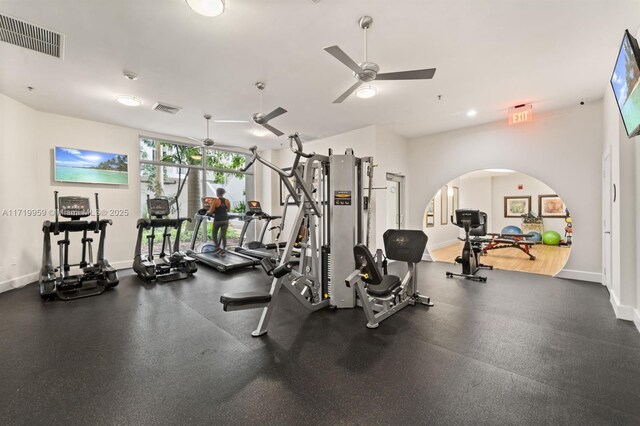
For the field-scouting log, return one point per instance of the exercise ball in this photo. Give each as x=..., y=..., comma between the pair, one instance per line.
x=534, y=236
x=511, y=230
x=551, y=238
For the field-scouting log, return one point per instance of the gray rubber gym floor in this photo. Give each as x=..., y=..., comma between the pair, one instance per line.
x=520, y=349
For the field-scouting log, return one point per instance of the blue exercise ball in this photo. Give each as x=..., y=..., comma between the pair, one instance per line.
x=511, y=230
x=534, y=236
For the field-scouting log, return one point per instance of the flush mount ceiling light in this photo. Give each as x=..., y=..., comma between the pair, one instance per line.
x=207, y=7
x=259, y=132
x=366, y=92
x=128, y=100
x=472, y=113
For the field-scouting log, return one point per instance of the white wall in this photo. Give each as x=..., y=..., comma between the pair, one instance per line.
x=475, y=193
x=20, y=175
x=625, y=280
x=442, y=235
x=561, y=148
x=390, y=154
x=27, y=139
x=507, y=185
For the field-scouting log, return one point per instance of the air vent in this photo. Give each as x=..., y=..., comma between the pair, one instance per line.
x=29, y=36
x=159, y=106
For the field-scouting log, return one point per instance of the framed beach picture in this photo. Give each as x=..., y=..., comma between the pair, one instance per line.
x=517, y=206
x=83, y=166
x=551, y=206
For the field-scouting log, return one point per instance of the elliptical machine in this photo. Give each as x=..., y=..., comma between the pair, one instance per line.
x=69, y=286
x=171, y=266
x=474, y=223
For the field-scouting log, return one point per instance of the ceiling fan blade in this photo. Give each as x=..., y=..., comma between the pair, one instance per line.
x=349, y=91
x=408, y=75
x=272, y=129
x=273, y=114
x=339, y=54
x=230, y=121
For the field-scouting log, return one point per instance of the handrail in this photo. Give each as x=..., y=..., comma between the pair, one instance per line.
x=295, y=144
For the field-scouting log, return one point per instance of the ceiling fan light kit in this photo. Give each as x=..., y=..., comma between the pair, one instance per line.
x=366, y=92
x=368, y=71
x=208, y=8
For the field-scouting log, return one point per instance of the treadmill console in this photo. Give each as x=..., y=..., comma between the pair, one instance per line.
x=158, y=207
x=74, y=207
x=253, y=207
x=207, y=202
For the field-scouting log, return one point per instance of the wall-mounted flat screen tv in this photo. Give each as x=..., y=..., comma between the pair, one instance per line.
x=624, y=81
x=83, y=166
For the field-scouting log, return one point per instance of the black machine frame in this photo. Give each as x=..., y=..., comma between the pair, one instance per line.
x=67, y=286
x=472, y=221
x=171, y=266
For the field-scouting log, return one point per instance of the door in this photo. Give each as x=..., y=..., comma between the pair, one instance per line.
x=608, y=198
x=395, y=201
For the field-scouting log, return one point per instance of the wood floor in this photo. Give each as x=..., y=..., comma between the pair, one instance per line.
x=549, y=259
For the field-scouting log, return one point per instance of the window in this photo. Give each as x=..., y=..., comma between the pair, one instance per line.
x=185, y=174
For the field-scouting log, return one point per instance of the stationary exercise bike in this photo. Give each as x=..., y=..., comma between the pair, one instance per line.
x=474, y=223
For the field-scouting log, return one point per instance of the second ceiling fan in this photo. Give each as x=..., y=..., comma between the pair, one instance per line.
x=367, y=71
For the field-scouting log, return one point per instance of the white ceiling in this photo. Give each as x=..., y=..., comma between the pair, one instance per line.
x=490, y=55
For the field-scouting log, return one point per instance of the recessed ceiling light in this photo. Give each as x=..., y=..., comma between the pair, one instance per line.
x=207, y=7
x=366, y=92
x=472, y=113
x=128, y=100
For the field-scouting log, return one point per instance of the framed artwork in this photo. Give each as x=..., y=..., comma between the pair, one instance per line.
x=429, y=220
x=444, y=204
x=284, y=192
x=517, y=206
x=455, y=199
x=551, y=206
x=83, y=166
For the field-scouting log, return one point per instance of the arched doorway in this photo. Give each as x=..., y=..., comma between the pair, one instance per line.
x=529, y=228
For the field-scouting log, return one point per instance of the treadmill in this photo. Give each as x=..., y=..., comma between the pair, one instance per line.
x=258, y=249
x=203, y=252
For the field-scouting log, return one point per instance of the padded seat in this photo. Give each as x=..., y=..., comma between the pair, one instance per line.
x=246, y=298
x=386, y=286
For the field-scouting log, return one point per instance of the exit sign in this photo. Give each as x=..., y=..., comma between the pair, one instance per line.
x=520, y=114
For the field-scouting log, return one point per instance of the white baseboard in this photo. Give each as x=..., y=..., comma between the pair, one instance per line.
x=443, y=244
x=20, y=282
x=636, y=319
x=426, y=256
x=125, y=264
x=623, y=312
x=571, y=274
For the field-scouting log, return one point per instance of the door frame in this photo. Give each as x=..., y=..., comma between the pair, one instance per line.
x=400, y=180
x=608, y=198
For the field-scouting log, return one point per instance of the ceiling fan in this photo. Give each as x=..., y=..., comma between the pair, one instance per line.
x=262, y=119
x=208, y=142
x=367, y=71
